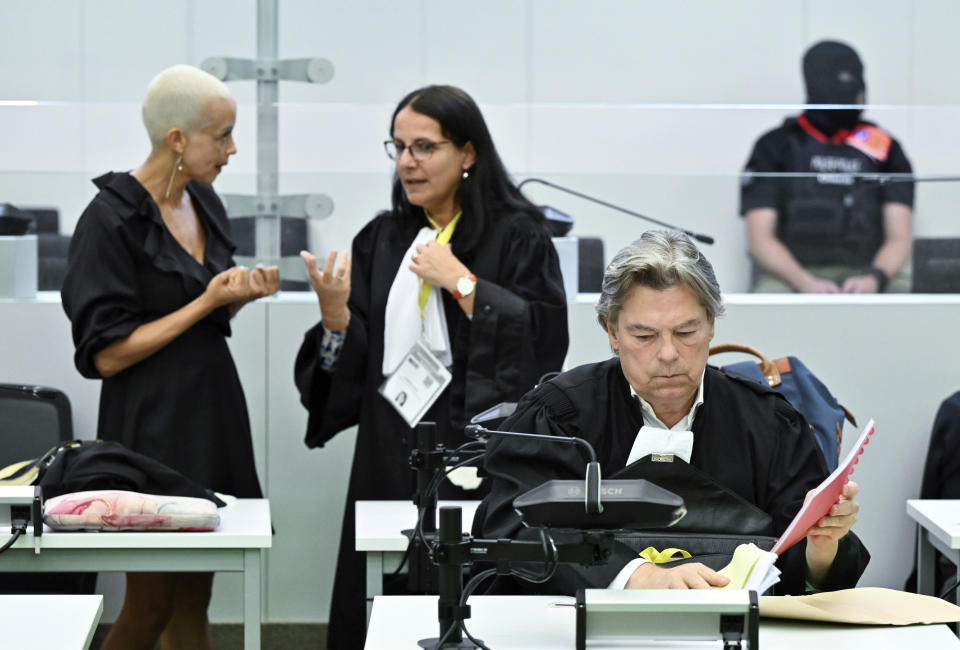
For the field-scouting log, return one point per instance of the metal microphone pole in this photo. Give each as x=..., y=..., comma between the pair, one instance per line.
x=451, y=576
x=449, y=612
x=426, y=460
x=706, y=239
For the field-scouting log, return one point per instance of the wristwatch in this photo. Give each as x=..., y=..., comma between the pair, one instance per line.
x=465, y=286
x=881, y=277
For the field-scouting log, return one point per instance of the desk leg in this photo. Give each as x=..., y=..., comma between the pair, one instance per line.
x=374, y=579
x=954, y=557
x=926, y=558
x=251, y=599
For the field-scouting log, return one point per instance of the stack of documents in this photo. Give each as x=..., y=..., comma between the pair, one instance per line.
x=751, y=568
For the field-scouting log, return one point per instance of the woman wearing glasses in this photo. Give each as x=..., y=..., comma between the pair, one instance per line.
x=460, y=274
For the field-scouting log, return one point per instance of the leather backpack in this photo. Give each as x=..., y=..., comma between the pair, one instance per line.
x=791, y=378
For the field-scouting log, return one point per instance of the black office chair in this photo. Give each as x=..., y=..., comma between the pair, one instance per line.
x=51, y=245
x=590, y=253
x=33, y=419
x=936, y=265
x=293, y=239
x=941, y=480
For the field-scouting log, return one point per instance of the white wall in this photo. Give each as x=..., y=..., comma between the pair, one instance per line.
x=648, y=104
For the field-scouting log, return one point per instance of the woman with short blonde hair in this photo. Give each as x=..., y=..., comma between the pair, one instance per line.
x=150, y=290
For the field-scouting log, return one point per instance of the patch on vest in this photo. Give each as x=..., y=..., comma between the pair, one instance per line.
x=870, y=140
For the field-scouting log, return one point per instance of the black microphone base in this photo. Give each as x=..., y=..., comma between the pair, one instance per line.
x=431, y=644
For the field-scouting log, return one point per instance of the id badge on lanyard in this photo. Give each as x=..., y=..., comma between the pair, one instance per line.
x=416, y=384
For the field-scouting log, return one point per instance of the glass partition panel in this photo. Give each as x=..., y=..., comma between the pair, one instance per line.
x=645, y=158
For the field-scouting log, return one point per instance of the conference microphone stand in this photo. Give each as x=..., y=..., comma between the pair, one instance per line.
x=428, y=460
x=706, y=239
x=451, y=550
x=591, y=489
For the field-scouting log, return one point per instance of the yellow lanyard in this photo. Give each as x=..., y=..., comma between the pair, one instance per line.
x=443, y=238
x=660, y=557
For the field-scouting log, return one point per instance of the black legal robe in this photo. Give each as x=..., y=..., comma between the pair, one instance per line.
x=746, y=436
x=517, y=334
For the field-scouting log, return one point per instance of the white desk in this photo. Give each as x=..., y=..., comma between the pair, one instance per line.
x=378, y=534
x=530, y=623
x=55, y=622
x=938, y=528
x=235, y=546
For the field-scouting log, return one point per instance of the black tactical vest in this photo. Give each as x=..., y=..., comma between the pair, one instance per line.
x=830, y=217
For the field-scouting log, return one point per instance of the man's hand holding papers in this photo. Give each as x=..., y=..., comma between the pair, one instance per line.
x=828, y=513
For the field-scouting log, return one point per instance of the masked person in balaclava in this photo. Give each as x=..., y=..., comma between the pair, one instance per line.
x=817, y=220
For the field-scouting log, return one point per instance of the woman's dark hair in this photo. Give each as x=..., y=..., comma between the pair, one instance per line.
x=488, y=193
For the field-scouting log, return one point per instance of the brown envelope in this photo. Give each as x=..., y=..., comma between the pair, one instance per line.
x=865, y=606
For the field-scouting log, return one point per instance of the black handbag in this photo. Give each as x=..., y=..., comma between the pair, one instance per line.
x=718, y=520
x=108, y=465
x=81, y=465
x=714, y=550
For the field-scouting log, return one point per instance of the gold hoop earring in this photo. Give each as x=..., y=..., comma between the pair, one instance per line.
x=177, y=167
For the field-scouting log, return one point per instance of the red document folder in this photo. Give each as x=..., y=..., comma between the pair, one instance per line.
x=824, y=496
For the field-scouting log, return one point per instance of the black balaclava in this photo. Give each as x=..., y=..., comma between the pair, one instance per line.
x=833, y=74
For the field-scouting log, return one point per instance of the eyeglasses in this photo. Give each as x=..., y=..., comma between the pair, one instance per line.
x=420, y=149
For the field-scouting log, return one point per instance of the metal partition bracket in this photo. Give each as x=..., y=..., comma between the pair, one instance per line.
x=267, y=205
x=316, y=70
x=267, y=210
x=297, y=206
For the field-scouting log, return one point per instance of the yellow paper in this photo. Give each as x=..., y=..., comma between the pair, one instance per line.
x=741, y=566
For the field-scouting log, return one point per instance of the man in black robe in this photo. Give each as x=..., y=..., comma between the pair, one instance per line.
x=657, y=399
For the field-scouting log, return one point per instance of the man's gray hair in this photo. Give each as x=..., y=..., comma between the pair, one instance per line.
x=660, y=259
x=178, y=97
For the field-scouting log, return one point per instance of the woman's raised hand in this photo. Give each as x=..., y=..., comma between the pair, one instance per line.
x=332, y=287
